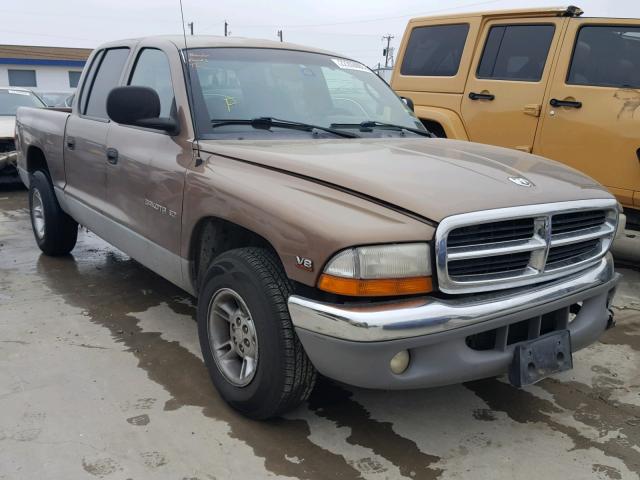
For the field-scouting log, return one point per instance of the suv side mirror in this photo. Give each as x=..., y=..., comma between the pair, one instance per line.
x=140, y=107
x=408, y=102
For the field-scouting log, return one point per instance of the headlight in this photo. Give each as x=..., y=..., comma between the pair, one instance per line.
x=379, y=270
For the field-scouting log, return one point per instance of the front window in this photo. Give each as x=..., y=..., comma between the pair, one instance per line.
x=318, y=89
x=435, y=51
x=10, y=100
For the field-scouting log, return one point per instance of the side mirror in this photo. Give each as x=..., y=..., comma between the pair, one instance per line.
x=139, y=107
x=408, y=102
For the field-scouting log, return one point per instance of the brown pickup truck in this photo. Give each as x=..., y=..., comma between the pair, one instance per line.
x=321, y=227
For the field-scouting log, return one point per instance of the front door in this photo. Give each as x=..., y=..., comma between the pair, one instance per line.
x=146, y=173
x=591, y=115
x=504, y=92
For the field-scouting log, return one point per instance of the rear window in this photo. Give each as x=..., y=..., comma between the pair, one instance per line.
x=107, y=78
x=516, y=52
x=606, y=56
x=435, y=51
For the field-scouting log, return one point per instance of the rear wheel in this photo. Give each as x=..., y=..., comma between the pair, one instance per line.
x=249, y=345
x=55, y=231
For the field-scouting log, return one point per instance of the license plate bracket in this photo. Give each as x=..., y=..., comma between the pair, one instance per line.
x=539, y=358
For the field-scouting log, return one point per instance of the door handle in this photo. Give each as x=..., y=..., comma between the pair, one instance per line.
x=112, y=156
x=481, y=96
x=565, y=103
x=71, y=143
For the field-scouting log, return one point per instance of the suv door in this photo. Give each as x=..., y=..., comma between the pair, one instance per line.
x=592, y=110
x=146, y=171
x=86, y=131
x=506, y=84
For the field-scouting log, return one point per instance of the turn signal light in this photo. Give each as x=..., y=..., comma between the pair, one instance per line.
x=379, y=287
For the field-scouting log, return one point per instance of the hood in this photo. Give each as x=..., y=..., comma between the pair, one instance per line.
x=7, y=126
x=433, y=178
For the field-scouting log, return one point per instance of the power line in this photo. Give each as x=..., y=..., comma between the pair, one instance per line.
x=369, y=20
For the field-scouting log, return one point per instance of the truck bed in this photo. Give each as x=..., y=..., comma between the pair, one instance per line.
x=43, y=129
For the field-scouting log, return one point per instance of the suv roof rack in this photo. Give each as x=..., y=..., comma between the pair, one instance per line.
x=573, y=11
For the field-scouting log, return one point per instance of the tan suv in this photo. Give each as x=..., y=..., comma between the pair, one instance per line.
x=543, y=81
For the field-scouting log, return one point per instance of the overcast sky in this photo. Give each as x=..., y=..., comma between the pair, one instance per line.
x=353, y=28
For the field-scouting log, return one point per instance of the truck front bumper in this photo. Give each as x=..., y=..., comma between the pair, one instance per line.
x=449, y=340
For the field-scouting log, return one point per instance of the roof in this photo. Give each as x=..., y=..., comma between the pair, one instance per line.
x=537, y=12
x=216, y=41
x=36, y=55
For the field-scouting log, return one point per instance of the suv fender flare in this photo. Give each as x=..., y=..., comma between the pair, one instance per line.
x=450, y=121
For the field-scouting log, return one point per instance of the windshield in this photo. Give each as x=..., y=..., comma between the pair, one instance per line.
x=10, y=100
x=249, y=83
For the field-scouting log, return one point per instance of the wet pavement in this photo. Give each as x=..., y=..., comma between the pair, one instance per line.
x=101, y=377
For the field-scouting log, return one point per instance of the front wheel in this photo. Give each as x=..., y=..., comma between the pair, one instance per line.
x=55, y=231
x=249, y=345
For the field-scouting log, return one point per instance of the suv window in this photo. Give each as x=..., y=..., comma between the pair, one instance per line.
x=516, y=52
x=152, y=70
x=106, y=78
x=606, y=56
x=435, y=51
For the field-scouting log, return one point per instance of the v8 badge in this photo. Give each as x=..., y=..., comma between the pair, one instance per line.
x=304, y=263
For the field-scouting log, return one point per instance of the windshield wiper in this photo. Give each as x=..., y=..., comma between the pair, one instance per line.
x=265, y=123
x=368, y=124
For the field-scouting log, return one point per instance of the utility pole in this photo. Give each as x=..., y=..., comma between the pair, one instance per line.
x=280, y=34
x=190, y=24
x=388, y=37
x=226, y=29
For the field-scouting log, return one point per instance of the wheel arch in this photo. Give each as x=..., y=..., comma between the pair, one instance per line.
x=36, y=160
x=447, y=121
x=212, y=236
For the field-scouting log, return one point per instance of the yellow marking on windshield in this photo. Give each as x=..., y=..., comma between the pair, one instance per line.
x=230, y=102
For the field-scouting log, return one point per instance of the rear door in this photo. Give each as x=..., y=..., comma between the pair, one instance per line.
x=85, y=151
x=591, y=117
x=506, y=85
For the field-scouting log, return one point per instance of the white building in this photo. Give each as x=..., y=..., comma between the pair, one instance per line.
x=41, y=68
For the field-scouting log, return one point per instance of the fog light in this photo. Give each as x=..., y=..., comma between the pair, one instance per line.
x=399, y=362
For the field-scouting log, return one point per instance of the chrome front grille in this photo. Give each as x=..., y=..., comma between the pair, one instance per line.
x=518, y=229
x=516, y=246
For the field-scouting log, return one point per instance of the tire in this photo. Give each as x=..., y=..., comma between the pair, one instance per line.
x=283, y=376
x=55, y=231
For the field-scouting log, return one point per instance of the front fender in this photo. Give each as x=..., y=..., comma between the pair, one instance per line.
x=450, y=121
x=298, y=217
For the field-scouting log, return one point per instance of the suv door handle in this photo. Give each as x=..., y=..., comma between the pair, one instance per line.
x=112, y=156
x=565, y=103
x=481, y=96
x=71, y=143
